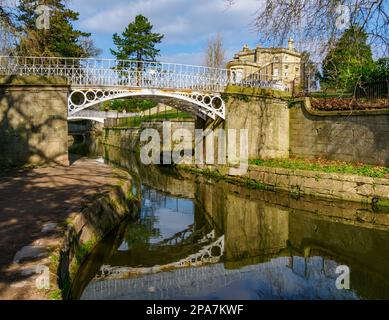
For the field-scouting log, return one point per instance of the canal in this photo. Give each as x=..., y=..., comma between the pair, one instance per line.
x=197, y=238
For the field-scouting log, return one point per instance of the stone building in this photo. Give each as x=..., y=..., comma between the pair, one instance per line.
x=280, y=66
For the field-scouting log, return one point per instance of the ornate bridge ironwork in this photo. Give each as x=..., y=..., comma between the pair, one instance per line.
x=99, y=116
x=93, y=81
x=208, y=254
x=273, y=279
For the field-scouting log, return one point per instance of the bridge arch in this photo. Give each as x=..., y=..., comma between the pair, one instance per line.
x=200, y=104
x=75, y=118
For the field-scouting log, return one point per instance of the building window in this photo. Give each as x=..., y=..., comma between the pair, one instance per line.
x=233, y=73
x=239, y=76
x=286, y=67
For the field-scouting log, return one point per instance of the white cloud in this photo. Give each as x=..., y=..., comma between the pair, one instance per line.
x=180, y=20
x=186, y=24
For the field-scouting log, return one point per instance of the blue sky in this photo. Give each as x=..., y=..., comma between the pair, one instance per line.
x=186, y=24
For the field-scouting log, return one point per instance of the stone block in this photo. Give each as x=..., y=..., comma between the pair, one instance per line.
x=381, y=190
x=37, y=116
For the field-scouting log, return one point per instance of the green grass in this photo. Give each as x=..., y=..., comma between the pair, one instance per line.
x=329, y=167
x=383, y=203
x=84, y=249
x=56, y=295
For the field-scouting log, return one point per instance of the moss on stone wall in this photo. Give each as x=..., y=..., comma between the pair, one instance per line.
x=258, y=92
x=32, y=81
x=297, y=182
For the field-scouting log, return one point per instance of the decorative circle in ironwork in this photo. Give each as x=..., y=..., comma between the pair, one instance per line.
x=217, y=103
x=90, y=96
x=77, y=98
x=99, y=94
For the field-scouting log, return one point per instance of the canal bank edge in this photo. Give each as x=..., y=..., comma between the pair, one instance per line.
x=85, y=229
x=303, y=182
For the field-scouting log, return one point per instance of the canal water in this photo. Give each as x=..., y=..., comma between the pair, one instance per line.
x=197, y=238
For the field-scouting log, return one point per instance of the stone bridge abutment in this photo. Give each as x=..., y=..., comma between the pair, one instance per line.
x=33, y=121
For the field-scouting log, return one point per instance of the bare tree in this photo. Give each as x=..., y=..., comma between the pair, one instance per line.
x=215, y=53
x=89, y=47
x=8, y=33
x=317, y=24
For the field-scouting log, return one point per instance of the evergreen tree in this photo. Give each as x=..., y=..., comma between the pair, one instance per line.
x=381, y=70
x=61, y=39
x=349, y=61
x=137, y=42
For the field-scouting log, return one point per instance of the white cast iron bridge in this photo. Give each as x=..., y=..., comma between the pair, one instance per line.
x=195, y=89
x=99, y=116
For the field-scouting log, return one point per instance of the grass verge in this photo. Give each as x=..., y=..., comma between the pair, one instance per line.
x=327, y=166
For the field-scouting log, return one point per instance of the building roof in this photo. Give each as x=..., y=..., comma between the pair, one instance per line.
x=266, y=50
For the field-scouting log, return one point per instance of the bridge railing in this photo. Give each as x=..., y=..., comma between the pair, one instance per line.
x=104, y=114
x=121, y=73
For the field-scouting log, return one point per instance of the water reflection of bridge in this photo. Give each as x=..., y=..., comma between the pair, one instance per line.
x=260, y=228
x=279, y=278
x=196, y=242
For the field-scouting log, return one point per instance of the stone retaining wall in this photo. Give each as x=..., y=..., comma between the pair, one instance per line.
x=91, y=225
x=124, y=138
x=318, y=184
x=356, y=136
x=327, y=185
x=128, y=138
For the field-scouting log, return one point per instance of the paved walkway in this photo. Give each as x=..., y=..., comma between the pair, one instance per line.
x=33, y=205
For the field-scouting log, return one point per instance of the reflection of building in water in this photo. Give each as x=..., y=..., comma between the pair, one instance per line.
x=313, y=266
x=254, y=228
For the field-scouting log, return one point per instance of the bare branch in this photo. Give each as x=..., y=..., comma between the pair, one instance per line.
x=215, y=53
x=317, y=24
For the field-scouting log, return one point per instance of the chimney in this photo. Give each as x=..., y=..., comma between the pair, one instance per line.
x=291, y=44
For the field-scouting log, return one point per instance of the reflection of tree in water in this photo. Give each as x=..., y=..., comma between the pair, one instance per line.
x=138, y=234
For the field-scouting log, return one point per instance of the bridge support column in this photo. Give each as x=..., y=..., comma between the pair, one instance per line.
x=33, y=121
x=210, y=139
